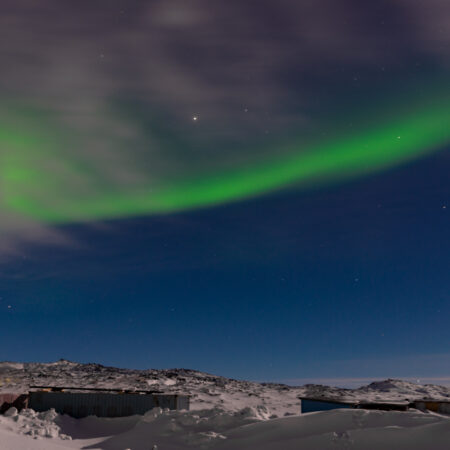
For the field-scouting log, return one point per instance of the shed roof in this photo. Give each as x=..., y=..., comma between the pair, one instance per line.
x=100, y=389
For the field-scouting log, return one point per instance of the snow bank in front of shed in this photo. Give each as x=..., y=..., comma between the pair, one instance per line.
x=33, y=424
x=217, y=429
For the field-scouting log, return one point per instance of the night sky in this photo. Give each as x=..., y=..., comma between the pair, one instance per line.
x=255, y=189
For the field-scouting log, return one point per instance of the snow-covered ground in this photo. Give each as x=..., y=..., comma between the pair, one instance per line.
x=225, y=414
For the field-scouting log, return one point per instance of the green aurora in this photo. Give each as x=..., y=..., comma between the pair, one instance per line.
x=41, y=182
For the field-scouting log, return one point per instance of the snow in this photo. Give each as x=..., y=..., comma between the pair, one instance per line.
x=225, y=414
x=6, y=365
x=217, y=429
x=206, y=390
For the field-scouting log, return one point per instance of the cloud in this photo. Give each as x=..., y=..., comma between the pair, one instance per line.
x=119, y=83
x=431, y=26
x=17, y=234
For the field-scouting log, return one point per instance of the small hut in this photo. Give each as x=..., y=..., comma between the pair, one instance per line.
x=83, y=402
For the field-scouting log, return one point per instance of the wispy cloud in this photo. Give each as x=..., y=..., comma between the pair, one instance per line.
x=16, y=234
x=120, y=82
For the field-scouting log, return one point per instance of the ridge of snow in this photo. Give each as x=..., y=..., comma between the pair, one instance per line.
x=5, y=365
x=216, y=429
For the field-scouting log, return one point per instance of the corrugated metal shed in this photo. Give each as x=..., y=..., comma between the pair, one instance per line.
x=104, y=404
x=438, y=406
x=321, y=404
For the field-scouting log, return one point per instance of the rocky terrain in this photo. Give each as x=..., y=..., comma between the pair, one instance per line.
x=269, y=400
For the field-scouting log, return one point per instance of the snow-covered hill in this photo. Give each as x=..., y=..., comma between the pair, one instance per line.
x=215, y=429
x=207, y=391
x=226, y=414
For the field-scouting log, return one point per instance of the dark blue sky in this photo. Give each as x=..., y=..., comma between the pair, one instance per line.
x=345, y=281
x=114, y=111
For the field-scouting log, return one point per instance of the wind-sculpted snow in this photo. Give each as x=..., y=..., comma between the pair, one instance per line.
x=34, y=424
x=216, y=429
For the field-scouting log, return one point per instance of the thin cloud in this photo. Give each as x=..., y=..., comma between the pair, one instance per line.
x=119, y=85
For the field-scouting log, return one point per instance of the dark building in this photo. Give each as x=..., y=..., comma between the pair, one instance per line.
x=438, y=406
x=105, y=403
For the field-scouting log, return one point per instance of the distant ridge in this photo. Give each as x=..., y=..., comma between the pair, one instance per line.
x=206, y=390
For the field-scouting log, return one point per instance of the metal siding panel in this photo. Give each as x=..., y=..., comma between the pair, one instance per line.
x=102, y=405
x=432, y=406
x=317, y=405
x=444, y=408
x=419, y=405
x=182, y=402
x=166, y=401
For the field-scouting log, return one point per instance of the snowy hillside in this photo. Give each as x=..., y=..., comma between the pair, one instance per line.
x=207, y=391
x=225, y=414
